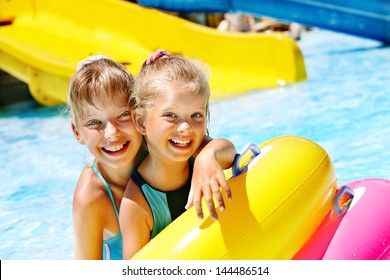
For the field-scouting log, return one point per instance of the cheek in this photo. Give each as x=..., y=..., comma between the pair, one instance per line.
x=201, y=127
x=90, y=136
x=128, y=128
x=158, y=124
x=137, y=136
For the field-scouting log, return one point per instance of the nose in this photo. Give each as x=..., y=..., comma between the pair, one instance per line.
x=110, y=131
x=184, y=127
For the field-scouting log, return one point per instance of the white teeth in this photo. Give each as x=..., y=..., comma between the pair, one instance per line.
x=181, y=143
x=114, y=148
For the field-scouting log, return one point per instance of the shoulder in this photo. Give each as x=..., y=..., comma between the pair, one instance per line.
x=90, y=193
x=133, y=191
x=134, y=201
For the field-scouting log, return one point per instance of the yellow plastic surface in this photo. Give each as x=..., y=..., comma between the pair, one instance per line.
x=277, y=205
x=41, y=42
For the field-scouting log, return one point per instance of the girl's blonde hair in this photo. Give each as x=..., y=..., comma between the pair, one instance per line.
x=97, y=76
x=156, y=78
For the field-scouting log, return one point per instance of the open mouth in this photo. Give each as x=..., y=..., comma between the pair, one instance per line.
x=180, y=143
x=115, y=148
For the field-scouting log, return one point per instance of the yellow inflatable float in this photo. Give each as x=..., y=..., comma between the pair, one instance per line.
x=282, y=191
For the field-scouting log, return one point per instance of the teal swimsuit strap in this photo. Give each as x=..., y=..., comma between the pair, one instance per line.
x=107, y=187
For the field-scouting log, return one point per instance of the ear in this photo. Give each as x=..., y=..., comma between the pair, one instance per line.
x=138, y=121
x=77, y=134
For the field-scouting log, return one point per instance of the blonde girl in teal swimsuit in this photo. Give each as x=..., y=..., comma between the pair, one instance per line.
x=98, y=102
x=171, y=99
x=101, y=120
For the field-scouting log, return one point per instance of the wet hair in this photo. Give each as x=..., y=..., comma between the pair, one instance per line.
x=97, y=76
x=158, y=76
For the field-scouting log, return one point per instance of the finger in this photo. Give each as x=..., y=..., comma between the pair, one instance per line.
x=218, y=197
x=197, y=203
x=225, y=186
x=211, y=207
x=190, y=200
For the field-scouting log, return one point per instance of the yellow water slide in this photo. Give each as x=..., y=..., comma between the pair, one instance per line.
x=41, y=42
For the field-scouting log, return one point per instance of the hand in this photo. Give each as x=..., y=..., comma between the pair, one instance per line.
x=207, y=180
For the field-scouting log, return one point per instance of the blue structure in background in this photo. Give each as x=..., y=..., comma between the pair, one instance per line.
x=366, y=18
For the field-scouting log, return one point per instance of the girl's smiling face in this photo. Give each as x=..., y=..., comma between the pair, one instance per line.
x=109, y=132
x=175, y=125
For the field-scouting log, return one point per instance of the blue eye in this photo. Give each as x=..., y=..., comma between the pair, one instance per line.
x=93, y=123
x=196, y=115
x=170, y=115
x=124, y=114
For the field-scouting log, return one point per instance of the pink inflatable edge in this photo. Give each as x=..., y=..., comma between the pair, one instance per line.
x=362, y=233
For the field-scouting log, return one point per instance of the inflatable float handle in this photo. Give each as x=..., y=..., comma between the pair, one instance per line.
x=343, y=200
x=236, y=170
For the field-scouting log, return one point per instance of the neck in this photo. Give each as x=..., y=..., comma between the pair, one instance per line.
x=164, y=176
x=115, y=176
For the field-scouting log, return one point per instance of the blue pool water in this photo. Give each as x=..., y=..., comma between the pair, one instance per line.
x=344, y=106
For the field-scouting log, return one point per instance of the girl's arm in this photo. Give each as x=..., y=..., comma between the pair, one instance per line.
x=208, y=177
x=133, y=223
